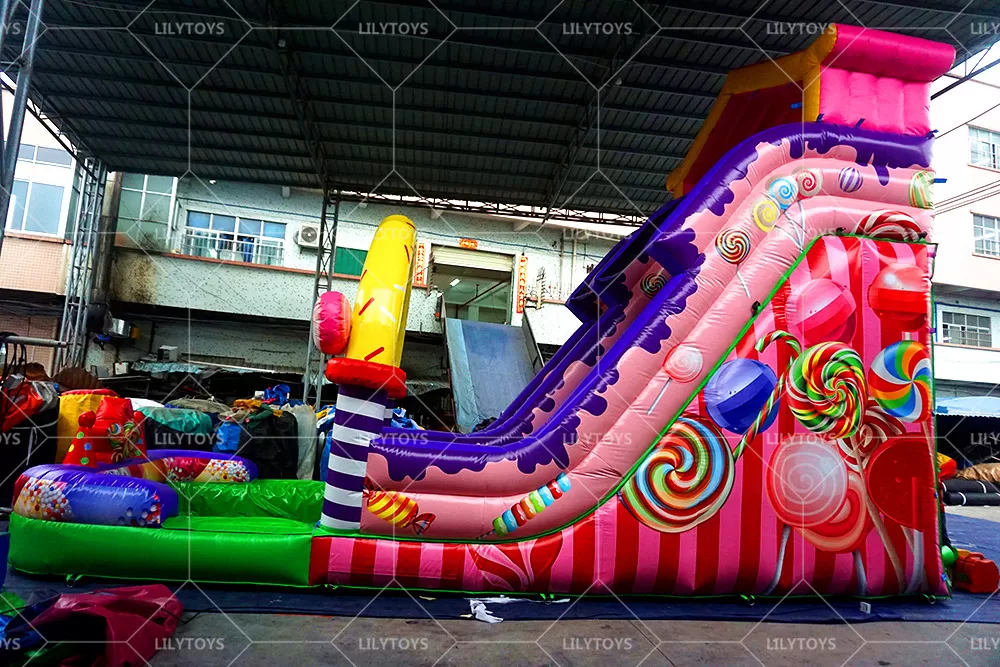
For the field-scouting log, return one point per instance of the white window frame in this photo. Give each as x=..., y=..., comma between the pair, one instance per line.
x=221, y=243
x=993, y=239
x=980, y=136
x=965, y=327
x=44, y=173
x=145, y=190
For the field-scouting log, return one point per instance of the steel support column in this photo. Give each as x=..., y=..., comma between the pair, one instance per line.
x=25, y=62
x=312, y=378
x=80, y=273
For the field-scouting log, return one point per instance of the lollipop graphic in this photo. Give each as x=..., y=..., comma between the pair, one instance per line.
x=769, y=410
x=809, y=182
x=827, y=391
x=900, y=380
x=684, y=481
x=737, y=391
x=920, y=189
x=899, y=293
x=821, y=310
x=683, y=363
x=784, y=191
x=877, y=427
x=765, y=213
x=807, y=486
x=894, y=225
x=850, y=179
x=530, y=506
x=651, y=283
x=734, y=247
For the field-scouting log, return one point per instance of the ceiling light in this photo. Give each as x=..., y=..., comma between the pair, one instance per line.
x=454, y=282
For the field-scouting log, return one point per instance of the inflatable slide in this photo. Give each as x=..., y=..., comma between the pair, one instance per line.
x=746, y=404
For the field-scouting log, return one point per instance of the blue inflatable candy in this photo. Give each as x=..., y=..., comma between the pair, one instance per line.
x=737, y=392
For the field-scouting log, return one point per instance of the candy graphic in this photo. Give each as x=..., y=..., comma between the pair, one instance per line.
x=784, y=191
x=736, y=393
x=809, y=181
x=766, y=212
x=900, y=380
x=877, y=427
x=851, y=179
x=765, y=416
x=920, y=189
x=899, y=293
x=894, y=225
x=821, y=310
x=734, y=247
x=806, y=481
x=651, y=283
x=532, y=504
x=683, y=363
x=827, y=391
x=684, y=481
x=397, y=509
x=847, y=530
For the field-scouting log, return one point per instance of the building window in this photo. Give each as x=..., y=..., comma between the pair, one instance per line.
x=145, y=210
x=349, y=262
x=963, y=329
x=235, y=239
x=985, y=148
x=986, y=231
x=35, y=207
x=38, y=197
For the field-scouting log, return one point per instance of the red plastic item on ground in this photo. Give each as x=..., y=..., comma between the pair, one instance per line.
x=144, y=616
x=975, y=573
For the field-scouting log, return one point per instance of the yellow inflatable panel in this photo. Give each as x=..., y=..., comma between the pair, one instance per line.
x=378, y=321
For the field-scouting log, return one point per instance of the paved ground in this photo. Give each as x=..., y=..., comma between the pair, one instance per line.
x=260, y=639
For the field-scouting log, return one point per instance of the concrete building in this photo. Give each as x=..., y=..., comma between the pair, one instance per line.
x=967, y=230
x=37, y=232
x=225, y=272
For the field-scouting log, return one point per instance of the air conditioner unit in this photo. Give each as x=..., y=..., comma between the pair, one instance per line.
x=308, y=236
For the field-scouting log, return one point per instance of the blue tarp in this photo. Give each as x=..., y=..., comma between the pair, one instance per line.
x=489, y=368
x=970, y=406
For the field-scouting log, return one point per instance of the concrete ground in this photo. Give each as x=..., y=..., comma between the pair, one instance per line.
x=271, y=639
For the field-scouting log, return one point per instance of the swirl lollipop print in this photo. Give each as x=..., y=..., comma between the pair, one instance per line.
x=734, y=247
x=877, y=427
x=684, y=481
x=784, y=191
x=684, y=364
x=900, y=381
x=827, y=392
x=651, y=283
x=809, y=182
x=766, y=213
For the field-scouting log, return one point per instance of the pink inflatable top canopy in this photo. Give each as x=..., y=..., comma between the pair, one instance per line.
x=849, y=76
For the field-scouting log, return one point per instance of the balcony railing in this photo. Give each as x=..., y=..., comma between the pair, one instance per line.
x=233, y=247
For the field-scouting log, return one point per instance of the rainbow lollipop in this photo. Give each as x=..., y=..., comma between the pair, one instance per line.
x=734, y=247
x=827, y=391
x=684, y=481
x=900, y=380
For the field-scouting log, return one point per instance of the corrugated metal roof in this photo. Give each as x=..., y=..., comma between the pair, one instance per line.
x=493, y=102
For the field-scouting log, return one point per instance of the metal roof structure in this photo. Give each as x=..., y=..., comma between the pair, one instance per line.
x=562, y=107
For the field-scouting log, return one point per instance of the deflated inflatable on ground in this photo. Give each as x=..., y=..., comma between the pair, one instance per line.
x=745, y=406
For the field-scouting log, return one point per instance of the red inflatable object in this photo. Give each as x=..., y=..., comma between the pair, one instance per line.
x=331, y=323
x=898, y=476
x=976, y=573
x=821, y=310
x=899, y=294
x=109, y=435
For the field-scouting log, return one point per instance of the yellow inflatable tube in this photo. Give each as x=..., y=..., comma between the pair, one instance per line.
x=378, y=321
